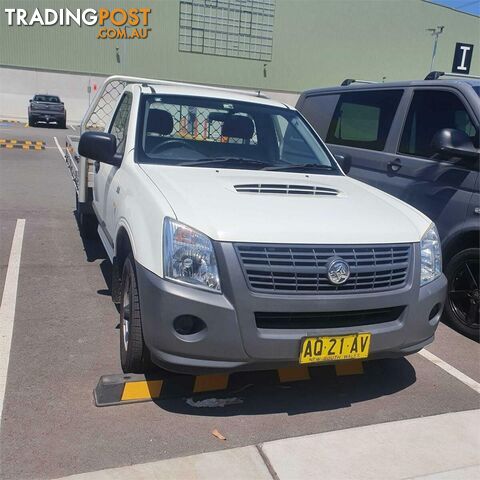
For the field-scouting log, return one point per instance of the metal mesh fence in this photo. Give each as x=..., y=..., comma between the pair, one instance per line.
x=200, y=123
x=104, y=109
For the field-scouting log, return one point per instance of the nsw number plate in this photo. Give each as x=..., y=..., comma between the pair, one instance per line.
x=328, y=349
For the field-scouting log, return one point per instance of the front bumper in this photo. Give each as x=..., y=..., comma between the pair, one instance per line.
x=232, y=341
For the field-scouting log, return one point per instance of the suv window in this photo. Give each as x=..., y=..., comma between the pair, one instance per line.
x=431, y=111
x=120, y=122
x=363, y=119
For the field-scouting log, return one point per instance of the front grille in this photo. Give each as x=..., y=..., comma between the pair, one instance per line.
x=303, y=269
x=314, y=320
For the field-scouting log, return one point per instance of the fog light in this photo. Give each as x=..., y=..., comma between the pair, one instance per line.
x=188, y=324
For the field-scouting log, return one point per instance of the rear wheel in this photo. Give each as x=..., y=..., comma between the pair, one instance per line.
x=462, y=308
x=134, y=355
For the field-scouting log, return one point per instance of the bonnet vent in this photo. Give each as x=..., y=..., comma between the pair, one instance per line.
x=286, y=189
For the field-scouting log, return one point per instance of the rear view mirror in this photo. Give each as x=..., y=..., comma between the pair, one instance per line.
x=99, y=146
x=345, y=162
x=454, y=142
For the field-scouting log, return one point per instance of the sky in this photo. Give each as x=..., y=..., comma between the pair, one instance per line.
x=468, y=6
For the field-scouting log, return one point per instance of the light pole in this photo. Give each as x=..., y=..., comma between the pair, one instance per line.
x=436, y=33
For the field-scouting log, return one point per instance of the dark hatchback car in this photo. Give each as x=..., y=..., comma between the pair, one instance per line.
x=48, y=109
x=418, y=141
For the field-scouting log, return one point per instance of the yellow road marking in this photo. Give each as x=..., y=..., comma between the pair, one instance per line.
x=26, y=125
x=9, y=145
x=207, y=383
x=142, y=390
x=349, y=368
x=293, y=374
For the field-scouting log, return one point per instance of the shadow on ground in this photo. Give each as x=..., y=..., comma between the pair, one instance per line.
x=325, y=391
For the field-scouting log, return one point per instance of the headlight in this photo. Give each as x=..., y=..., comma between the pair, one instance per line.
x=431, y=255
x=188, y=256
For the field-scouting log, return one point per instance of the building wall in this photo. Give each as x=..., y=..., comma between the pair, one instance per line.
x=315, y=43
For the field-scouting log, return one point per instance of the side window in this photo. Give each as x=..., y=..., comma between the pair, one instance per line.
x=431, y=111
x=363, y=119
x=318, y=110
x=120, y=122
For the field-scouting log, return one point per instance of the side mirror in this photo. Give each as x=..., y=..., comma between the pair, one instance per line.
x=454, y=142
x=31, y=100
x=99, y=146
x=345, y=162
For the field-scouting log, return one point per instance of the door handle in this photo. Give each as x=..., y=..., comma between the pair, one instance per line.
x=97, y=166
x=395, y=165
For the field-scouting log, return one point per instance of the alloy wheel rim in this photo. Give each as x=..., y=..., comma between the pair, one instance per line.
x=126, y=313
x=464, y=294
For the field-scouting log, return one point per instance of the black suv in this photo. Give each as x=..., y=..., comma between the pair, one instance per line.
x=48, y=109
x=418, y=141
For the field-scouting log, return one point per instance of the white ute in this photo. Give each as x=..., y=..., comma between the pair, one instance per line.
x=237, y=241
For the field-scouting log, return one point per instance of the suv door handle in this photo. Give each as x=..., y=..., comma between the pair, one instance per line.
x=395, y=165
x=97, y=166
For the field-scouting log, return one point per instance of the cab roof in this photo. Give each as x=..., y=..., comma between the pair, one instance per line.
x=212, y=92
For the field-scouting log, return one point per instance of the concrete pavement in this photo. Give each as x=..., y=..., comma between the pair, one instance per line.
x=65, y=338
x=438, y=447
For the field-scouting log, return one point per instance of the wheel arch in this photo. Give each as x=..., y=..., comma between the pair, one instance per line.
x=122, y=248
x=461, y=240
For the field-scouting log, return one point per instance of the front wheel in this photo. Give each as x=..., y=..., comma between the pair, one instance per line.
x=463, y=301
x=134, y=355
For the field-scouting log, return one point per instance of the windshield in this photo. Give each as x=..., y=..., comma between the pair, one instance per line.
x=46, y=98
x=215, y=133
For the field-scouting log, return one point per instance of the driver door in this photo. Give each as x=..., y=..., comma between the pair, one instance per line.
x=104, y=176
x=438, y=186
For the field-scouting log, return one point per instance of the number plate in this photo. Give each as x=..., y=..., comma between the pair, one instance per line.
x=331, y=349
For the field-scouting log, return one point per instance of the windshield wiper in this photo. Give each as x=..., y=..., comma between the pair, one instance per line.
x=210, y=161
x=299, y=166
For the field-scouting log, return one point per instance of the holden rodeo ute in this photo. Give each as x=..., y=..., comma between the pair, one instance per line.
x=237, y=241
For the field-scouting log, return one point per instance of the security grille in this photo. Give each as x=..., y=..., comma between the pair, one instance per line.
x=231, y=28
x=199, y=123
x=303, y=269
x=101, y=115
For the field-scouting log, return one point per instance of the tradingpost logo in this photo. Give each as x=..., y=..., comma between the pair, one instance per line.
x=117, y=23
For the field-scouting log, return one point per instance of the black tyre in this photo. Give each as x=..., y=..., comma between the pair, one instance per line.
x=463, y=301
x=134, y=355
x=31, y=122
x=63, y=123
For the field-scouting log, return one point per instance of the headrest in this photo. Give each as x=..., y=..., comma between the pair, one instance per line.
x=159, y=121
x=238, y=126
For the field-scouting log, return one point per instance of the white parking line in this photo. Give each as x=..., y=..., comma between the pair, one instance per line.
x=59, y=148
x=7, y=307
x=470, y=382
x=73, y=128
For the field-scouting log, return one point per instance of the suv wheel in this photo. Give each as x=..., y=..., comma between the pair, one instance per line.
x=134, y=355
x=463, y=301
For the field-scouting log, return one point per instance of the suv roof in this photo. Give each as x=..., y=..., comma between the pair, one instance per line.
x=432, y=79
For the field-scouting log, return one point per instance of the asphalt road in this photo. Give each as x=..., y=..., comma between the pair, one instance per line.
x=65, y=338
